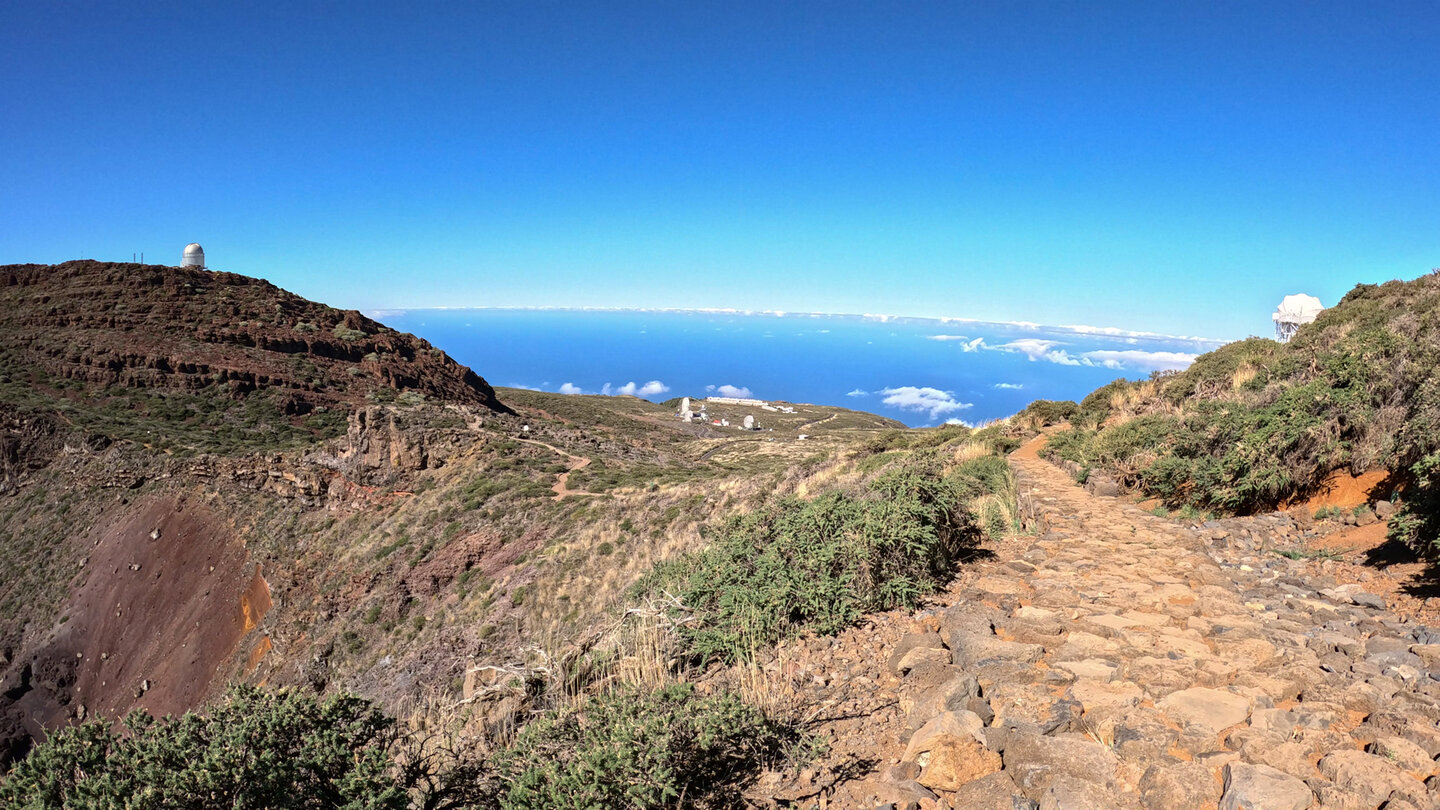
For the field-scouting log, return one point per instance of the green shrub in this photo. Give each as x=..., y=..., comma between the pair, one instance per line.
x=1045, y=412
x=822, y=563
x=255, y=749
x=1417, y=522
x=1070, y=445
x=669, y=748
x=347, y=334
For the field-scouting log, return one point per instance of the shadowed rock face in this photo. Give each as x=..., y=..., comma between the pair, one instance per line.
x=106, y=325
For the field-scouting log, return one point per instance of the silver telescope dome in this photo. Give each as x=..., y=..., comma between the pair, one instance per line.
x=194, y=256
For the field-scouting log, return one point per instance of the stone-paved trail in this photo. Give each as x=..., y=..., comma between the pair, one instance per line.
x=1122, y=660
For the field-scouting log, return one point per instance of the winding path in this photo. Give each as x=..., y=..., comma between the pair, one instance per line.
x=562, y=480
x=1121, y=660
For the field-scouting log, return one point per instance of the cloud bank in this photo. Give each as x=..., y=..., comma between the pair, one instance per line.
x=933, y=401
x=631, y=389
x=1038, y=349
x=737, y=391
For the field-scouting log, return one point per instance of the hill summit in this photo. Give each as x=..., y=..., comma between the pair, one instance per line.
x=189, y=359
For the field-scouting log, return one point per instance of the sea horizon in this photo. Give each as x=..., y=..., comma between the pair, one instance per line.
x=919, y=370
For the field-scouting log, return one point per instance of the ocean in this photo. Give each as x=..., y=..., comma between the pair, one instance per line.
x=919, y=371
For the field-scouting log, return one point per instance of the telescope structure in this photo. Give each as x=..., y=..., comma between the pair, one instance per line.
x=194, y=256
x=1294, y=312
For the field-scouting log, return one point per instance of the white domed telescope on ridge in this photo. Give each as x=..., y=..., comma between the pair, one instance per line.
x=1295, y=311
x=194, y=256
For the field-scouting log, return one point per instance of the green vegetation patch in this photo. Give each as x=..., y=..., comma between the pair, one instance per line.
x=821, y=564
x=255, y=749
x=670, y=748
x=666, y=748
x=1255, y=423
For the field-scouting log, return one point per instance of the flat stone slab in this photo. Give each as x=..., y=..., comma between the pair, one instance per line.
x=1111, y=621
x=1211, y=708
x=1095, y=669
x=1093, y=694
x=1000, y=585
x=1261, y=787
x=1137, y=618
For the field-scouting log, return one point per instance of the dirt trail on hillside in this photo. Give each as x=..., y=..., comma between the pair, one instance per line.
x=562, y=480
x=1123, y=660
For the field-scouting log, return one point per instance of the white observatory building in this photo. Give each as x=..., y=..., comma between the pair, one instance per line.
x=194, y=256
x=1295, y=311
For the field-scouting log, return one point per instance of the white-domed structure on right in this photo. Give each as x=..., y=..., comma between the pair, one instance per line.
x=194, y=256
x=1295, y=311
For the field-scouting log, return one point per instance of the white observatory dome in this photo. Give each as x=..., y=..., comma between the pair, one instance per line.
x=1295, y=311
x=194, y=256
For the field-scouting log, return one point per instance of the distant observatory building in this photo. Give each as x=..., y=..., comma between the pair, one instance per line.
x=1295, y=311
x=194, y=256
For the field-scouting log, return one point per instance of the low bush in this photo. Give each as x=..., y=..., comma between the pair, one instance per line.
x=1255, y=423
x=820, y=564
x=669, y=748
x=1045, y=412
x=254, y=749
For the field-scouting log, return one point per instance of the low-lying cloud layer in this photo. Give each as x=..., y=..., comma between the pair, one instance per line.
x=649, y=389
x=737, y=391
x=1051, y=352
x=933, y=401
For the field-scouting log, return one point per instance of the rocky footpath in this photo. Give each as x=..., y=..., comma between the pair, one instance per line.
x=1123, y=660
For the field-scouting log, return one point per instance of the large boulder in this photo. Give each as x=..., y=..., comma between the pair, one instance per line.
x=957, y=725
x=1035, y=762
x=1261, y=787
x=956, y=761
x=994, y=792
x=1178, y=784
x=1212, y=708
x=1368, y=777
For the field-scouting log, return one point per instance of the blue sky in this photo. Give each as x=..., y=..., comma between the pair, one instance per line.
x=1173, y=167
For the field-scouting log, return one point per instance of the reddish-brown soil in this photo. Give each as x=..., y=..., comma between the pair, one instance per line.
x=1346, y=491
x=1360, y=558
x=167, y=598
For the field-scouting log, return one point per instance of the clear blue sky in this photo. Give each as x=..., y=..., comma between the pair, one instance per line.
x=1171, y=166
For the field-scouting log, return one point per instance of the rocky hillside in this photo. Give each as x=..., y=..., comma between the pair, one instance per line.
x=192, y=360
x=1257, y=424
x=209, y=481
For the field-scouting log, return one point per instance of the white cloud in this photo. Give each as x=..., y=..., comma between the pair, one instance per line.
x=380, y=314
x=631, y=389
x=947, y=337
x=1048, y=350
x=928, y=400
x=570, y=388
x=858, y=392
x=738, y=391
x=1009, y=386
x=1161, y=361
x=961, y=422
x=1031, y=347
